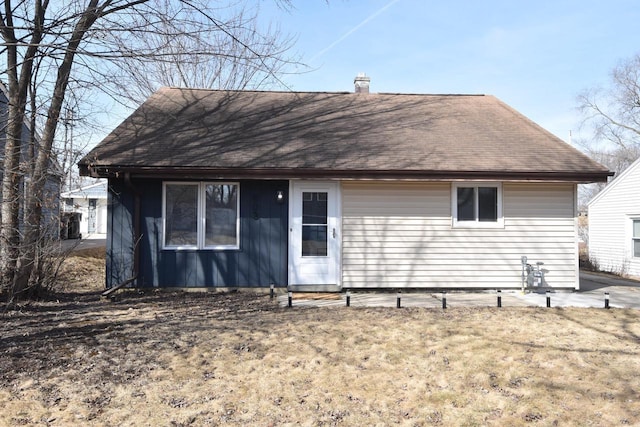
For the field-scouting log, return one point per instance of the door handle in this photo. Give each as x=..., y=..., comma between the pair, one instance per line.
x=334, y=233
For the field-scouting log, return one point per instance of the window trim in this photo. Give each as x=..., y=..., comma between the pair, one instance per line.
x=476, y=223
x=633, y=237
x=201, y=216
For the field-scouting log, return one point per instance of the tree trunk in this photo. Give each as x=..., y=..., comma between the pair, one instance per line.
x=35, y=48
x=10, y=233
x=25, y=281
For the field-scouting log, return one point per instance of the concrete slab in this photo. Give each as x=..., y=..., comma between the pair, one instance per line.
x=623, y=293
x=409, y=299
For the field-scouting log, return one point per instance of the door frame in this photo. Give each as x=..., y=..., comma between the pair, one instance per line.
x=336, y=247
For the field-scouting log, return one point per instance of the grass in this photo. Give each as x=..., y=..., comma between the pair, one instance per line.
x=175, y=359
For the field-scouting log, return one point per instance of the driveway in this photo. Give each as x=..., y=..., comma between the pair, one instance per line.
x=622, y=292
x=91, y=241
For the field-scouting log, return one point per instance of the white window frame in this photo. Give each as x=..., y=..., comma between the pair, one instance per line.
x=476, y=223
x=634, y=238
x=164, y=215
x=201, y=216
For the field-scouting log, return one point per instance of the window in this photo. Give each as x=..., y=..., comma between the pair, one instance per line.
x=314, y=224
x=221, y=215
x=201, y=215
x=181, y=215
x=636, y=238
x=477, y=205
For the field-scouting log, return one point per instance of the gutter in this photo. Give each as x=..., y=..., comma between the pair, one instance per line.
x=102, y=171
x=137, y=235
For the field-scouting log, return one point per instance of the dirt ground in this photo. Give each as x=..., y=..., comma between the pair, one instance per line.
x=178, y=359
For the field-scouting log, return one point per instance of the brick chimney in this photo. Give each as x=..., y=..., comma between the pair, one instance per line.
x=362, y=83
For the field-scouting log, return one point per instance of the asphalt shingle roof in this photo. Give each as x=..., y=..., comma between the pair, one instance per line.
x=335, y=134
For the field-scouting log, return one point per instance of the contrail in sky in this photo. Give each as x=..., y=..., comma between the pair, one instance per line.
x=353, y=30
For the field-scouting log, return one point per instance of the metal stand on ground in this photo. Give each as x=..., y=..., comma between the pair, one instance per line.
x=548, y=299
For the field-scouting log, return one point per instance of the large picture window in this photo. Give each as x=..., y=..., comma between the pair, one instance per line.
x=477, y=205
x=181, y=215
x=201, y=215
x=636, y=238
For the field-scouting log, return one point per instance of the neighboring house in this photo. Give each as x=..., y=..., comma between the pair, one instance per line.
x=51, y=202
x=329, y=191
x=614, y=224
x=90, y=202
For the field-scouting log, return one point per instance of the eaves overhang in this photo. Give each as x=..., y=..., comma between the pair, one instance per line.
x=163, y=172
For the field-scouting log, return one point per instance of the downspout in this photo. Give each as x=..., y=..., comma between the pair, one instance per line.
x=137, y=237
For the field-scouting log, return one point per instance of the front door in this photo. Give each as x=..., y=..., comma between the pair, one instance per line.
x=314, y=238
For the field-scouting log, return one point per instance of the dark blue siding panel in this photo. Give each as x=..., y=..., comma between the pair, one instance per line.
x=119, y=262
x=260, y=261
x=167, y=268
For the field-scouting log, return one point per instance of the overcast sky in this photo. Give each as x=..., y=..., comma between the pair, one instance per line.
x=534, y=55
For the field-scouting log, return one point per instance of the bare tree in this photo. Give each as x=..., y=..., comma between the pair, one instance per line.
x=52, y=49
x=612, y=114
x=250, y=59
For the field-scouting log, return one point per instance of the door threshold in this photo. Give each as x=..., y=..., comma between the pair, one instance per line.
x=314, y=288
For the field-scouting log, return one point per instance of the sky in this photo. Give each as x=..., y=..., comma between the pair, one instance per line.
x=536, y=56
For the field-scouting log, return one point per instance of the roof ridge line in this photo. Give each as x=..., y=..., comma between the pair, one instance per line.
x=317, y=92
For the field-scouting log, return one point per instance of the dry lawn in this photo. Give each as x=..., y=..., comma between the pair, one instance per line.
x=172, y=359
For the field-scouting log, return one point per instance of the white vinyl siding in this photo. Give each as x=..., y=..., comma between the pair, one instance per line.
x=611, y=216
x=401, y=235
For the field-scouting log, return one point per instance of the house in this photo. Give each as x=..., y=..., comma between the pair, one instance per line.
x=614, y=224
x=330, y=191
x=51, y=202
x=90, y=203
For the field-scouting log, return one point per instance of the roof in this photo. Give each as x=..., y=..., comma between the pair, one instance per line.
x=630, y=170
x=93, y=191
x=196, y=132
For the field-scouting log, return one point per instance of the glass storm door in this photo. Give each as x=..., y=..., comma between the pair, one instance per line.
x=93, y=208
x=314, y=245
